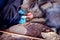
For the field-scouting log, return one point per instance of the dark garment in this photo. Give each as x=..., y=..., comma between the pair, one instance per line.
x=9, y=15
x=2, y=4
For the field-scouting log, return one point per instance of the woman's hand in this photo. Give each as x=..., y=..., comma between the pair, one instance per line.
x=29, y=15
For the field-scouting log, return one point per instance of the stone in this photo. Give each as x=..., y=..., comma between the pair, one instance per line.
x=12, y=37
x=38, y=20
x=7, y=36
x=53, y=16
x=50, y=36
x=33, y=29
x=36, y=11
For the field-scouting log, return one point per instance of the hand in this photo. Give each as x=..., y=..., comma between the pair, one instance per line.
x=29, y=15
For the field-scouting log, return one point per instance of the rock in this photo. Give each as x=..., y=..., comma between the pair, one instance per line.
x=15, y=37
x=12, y=37
x=36, y=11
x=33, y=29
x=25, y=4
x=19, y=29
x=58, y=1
x=32, y=6
x=53, y=16
x=50, y=36
x=38, y=20
x=46, y=6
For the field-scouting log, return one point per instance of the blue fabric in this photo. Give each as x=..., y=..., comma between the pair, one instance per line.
x=22, y=20
x=21, y=11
